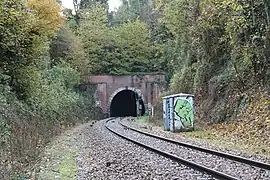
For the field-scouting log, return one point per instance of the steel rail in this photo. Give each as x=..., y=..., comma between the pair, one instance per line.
x=210, y=151
x=216, y=174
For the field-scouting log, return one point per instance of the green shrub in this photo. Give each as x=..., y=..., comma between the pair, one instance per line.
x=51, y=105
x=182, y=81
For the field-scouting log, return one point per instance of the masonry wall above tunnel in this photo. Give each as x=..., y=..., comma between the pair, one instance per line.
x=150, y=86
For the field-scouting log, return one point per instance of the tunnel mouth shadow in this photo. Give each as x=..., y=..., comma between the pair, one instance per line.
x=124, y=104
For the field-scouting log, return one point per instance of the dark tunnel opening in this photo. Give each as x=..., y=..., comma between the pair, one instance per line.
x=124, y=104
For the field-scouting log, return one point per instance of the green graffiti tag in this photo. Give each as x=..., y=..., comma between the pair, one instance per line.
x=184, y=110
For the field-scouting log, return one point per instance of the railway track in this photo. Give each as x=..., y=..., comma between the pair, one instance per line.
x=232, y=160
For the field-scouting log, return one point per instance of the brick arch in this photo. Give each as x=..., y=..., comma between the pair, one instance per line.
x=135, y=90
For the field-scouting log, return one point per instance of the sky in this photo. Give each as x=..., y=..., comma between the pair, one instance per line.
x=112, y=4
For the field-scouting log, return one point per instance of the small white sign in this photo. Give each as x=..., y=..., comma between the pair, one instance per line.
x=98, y=103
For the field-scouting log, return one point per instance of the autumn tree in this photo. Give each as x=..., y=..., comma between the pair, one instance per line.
x=48, y=17
x=16, y=43
x=25, y=28
x=37, y=81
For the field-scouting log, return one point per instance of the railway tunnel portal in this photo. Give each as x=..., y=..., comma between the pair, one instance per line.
x=127, y=103
x=129, y=95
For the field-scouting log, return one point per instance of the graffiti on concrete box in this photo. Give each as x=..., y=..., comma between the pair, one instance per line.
x=183, y=112
x=178, y=112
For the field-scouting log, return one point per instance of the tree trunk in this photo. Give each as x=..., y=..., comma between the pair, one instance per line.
x=253, y=12
x=76, y=9
x=266, y=8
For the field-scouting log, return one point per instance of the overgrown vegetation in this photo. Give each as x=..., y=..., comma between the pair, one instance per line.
x=59, y=159
x=41, y=62
x=222, y=48
x=220, y=53
x=223, y=51
x=251, y=125
x=217, y=50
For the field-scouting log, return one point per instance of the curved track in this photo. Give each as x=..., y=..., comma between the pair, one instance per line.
x=204, y=169
x=209, y=151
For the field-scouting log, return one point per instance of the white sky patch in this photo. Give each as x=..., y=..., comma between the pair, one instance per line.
x=113, y=4
x=68, y=4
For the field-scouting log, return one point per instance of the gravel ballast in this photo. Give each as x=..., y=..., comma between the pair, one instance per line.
x=103, y=155
x=92, y=152
x=239, y=170
x=194, y=141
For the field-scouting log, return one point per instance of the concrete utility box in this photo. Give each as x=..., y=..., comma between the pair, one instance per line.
x=178, y=112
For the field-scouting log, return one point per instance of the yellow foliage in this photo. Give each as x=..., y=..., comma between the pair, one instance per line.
x=251, y=125
x=48, y=16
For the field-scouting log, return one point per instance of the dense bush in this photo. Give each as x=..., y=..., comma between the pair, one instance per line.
x=38, y=99
x=221, y=49
x=214, y=49
x=26, y=126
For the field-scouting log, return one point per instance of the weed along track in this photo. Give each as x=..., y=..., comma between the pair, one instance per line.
x=217, y=164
